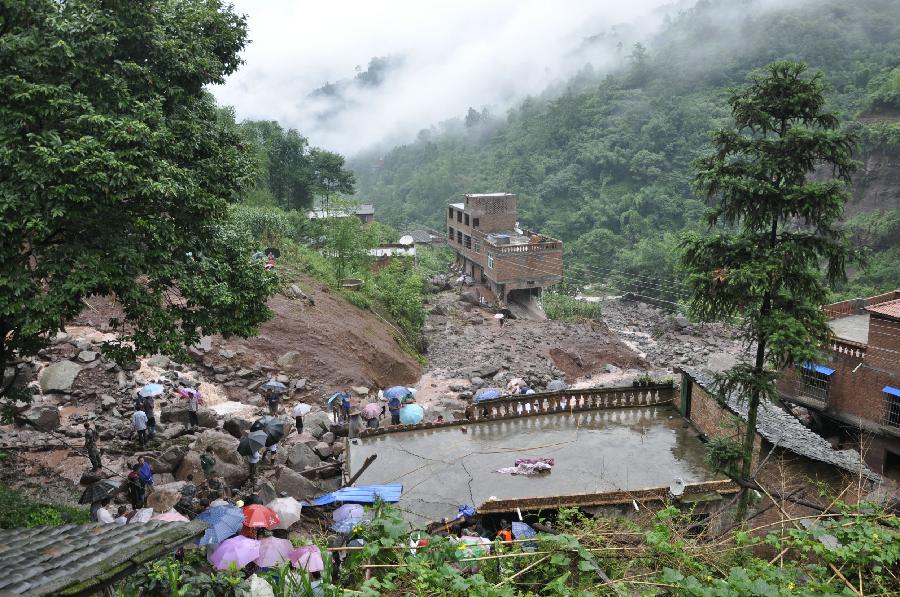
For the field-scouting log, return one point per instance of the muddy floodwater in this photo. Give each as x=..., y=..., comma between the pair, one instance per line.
x=607, y=450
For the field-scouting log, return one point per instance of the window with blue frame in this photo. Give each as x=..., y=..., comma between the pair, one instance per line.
x=891, y=406
x=814, y=382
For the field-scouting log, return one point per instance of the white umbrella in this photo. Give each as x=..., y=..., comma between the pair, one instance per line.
x=142, y=515
x=498, y=316
x=288, y=510
x=301, y=408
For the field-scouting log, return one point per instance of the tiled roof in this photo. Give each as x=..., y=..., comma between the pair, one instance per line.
x=47, y=560
x=420, y=236
x=890, y=309
x=783, y=429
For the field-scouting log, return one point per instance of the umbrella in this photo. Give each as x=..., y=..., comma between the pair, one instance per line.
x=238, y=550
x=252, y=442
x=301, y=408
x=411, y=414
x=141, y=516
x=498, y=316
x=171, y=516
x=288, y=510
x=274, y=386
x=487, y=394
x=307, y=557
x=273, y=251
x=348, y=511
x=371, y=410
x=151, y=389
x=98, y=491
x=521, y=530
x=271, y=426
x=223, y=521
x=188, y=392
x=336, y=396
x=273, y=551
x=556, y=385
x=348, y=524
x=396, y=392
x=258, y=516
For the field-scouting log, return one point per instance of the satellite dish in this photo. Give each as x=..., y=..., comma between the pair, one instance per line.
x=676, y=487
x=406, y=239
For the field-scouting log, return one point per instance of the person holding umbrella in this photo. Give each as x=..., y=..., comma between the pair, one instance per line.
x=300, y=409
x=249, y=447
x=394, y=409
x=90, y=443
x=147, y=393
x=273, y=390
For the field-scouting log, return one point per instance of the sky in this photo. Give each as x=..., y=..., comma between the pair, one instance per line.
x=454, y=54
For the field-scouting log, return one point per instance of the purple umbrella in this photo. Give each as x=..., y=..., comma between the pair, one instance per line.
x=348, y=511
x=307, y=557
x=371, y=410
x=239, y=549
x=396, y=392
x=273, y=551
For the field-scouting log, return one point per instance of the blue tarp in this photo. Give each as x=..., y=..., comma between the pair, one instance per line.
x=891, y=391
x=360, y=495
x=818, y=368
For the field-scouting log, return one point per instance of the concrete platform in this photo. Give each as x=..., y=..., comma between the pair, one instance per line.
x=853, y=327
x=597, y=451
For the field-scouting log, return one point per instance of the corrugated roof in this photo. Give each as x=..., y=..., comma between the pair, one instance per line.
x=889, y=309
x=46, y=560
x=366, y=209
x=783, y=429
x=361, y=495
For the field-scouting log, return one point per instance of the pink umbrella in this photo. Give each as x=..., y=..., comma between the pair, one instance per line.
x=273, y=551
x=171, y=516
x=307, y=557
x=239, y=550
x=371, y=410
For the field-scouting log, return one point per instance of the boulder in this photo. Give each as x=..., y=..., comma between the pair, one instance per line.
x=323, y=450
x=159, y=360
x=163, y=478
x=178, y=413
x=107, y=402
x=226, y=353
x=294, y=484
x=59, y=377
x=163, y=498
x=300, y=384
x=236, y=426
x=233, y=474
x=339, y=430
x=168, y=460
x=301, y=456
x=283, y=379
x=224, y=447
x=190, y=465
x=171, y=431
x=316, y=423
x=289, y=360
x=360, y=390
x=328, y=437
x=477, y=382
x=87, y=356
x=44, y=418
x=266, y=492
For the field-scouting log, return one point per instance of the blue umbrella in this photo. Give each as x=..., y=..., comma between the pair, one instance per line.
x=396, y=392
x=347, y=525
x=521, y=530
x=151, y=389
x=223, y=521
x=411, y=414
x=336, y=396
x=486, y=394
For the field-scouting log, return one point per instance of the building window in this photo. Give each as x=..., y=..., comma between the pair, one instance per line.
x=468, y=241
x=450, y=233
x=891, y=406
x=475, y=222
x=459, y=216
x=459, y=237
x=450, y=212
x=466, y=219
x=490, y=261
x=477, y=246
x=813, y=381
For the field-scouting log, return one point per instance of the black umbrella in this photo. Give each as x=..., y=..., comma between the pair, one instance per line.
x=273, y=252
x=251, y=443
x=98, y=491
x=271, y=426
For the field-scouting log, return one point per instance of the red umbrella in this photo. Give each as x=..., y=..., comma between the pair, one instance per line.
x=257, y=515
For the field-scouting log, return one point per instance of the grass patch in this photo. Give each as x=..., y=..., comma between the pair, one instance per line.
x=18, y=510
x=562, y=307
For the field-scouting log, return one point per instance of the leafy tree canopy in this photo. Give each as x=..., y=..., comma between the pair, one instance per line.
x=116, y=173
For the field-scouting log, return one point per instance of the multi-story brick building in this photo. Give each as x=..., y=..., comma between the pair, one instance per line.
x=493, y=251
x=854, y=392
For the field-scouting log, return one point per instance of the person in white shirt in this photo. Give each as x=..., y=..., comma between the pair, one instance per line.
x=139, y=422
x=253, y=461
x=273, y=450
x=121, y=518
x=99, y=513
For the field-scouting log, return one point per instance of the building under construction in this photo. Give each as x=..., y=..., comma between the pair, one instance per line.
x=494, y=251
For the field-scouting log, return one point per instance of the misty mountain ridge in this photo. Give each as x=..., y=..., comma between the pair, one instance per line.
x=604, y=161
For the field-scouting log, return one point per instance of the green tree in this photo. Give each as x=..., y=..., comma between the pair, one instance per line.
x=116, y=172
x=347, y=239
x=773, y=241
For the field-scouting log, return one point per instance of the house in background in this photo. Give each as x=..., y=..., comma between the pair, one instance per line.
x=853, y=392
x=490, y=248
x=365, y=212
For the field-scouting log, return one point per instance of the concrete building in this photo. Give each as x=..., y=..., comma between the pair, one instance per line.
x=853, y=392
x=492, y=250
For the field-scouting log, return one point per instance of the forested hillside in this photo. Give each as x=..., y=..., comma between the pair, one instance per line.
x=606, y=164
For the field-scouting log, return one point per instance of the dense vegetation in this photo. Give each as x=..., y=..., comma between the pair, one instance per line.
x=660, y=555
x=18, y=510
x=606, y=165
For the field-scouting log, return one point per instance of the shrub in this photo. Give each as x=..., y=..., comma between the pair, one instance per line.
x=18, y=510
x=562, y=307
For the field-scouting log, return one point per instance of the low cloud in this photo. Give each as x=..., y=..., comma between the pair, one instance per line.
x=444, y=57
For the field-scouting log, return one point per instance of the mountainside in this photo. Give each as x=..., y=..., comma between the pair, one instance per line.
x=605, y=165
